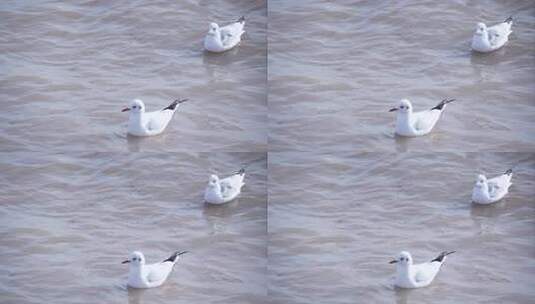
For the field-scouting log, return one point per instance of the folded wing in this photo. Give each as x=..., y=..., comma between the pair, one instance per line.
x=159, y=272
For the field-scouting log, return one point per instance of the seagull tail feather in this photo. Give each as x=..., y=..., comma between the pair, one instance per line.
x=174, y=104
x=175, y=256
x=441, y=105
x=509, y=19
x=442, y=255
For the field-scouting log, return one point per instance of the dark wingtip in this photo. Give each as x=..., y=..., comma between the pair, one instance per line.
x=442, y=255
x=175, y=103
x=174, y=256
x=509, y=172
x=509, y=19
x=241, y=172
x=242, y=19
x=172, y=106
x=441, y=105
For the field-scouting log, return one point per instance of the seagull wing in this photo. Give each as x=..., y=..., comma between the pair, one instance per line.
x=227, y=188
x=231, y=185
x=496, y=38
x=159, y=120
x=499, y=184
x=498, y=181
x=225, y=31
x=159, y=272
x=426, y=271
x=426, y=120
x=498, y=33
x=231, y=33
x=494, y=188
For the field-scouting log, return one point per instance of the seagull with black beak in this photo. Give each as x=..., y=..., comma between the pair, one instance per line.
x=141, y=123
x=143, y=275
x=409, y=123
x=409, y=275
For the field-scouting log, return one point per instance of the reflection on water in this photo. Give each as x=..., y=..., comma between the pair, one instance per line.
x=402, y=295
x=135, y=295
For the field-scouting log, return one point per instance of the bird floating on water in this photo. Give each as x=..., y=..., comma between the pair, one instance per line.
x=409, y=275
x=224, y=190
x=220, y=39
x=488, y=191
x=143, y=275
x=141, y=123
x=488, y=39
x=409, y=123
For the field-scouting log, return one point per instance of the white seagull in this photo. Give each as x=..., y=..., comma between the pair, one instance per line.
x=143, y=275
x=488, y=39
x=409, y=123
x=220, y=39
x=141, y=123
x=488, y=191
x=409, y=275
x=224, y=190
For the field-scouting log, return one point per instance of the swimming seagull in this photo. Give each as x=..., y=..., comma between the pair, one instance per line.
x=488, y=191
x=409, y=275
x=220, y=39
x=488, y=39
x=409, y=123
x=143, y=275
x=224, y=190
x=141, y=123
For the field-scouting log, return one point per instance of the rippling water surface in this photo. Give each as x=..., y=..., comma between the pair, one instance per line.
x=75, y=201
x=67, y=222
x=69, y=67
x=337, y=67
x=335, y=221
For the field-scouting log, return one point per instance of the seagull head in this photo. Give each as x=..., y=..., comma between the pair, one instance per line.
x=481, y=28
x=404, y=259
x=481, y=181
x=213, y=181
x=404, y=106
x=136, y=258
x=136, y=106
x=213, y=29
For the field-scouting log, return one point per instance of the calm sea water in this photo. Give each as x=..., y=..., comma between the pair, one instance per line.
x=67, y=222
x=69, y=67
x=311, y=83
x=336, y=68
x=335, y=221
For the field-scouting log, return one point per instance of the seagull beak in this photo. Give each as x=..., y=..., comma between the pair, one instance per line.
x=393, y=262
x=181, y=253
x=393, y=109
x=125, y=262
x=125, y=109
